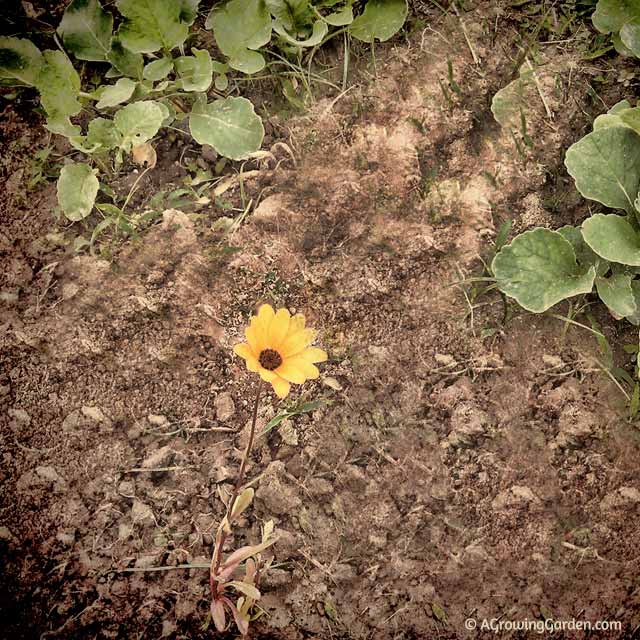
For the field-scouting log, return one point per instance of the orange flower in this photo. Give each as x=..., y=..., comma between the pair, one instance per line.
x=278, y=348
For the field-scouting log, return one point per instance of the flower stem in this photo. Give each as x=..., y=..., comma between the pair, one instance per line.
x=222, y=535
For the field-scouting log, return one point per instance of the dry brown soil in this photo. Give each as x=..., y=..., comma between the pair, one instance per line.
x=461, y=467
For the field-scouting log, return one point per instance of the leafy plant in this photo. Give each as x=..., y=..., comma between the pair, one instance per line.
x=156, y=83
x=620, y=18
x=149, y=94
x=541, y=267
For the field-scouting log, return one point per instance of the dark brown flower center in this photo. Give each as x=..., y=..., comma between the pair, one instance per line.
x=270, y=359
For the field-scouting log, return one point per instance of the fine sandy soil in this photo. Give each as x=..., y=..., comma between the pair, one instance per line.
x=462, y=466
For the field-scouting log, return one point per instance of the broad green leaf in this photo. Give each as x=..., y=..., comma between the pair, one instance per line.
x=168, y=113
x=151, y=25
x=612, y=238
x=104, y=134
x=158, y=69
x=86, y=30
x=630, y=36
x=620, y=106
x=241, y=27
x=247, y=61
x=77, y=190
x=611, y=15
x=631, y=118
x=296, y=16
x=318, y=33
x=605, y=165
x=221, y=82
x=616, y=293
x=112, y=95
x=621, y=114
x=138, y=122
x=126, y=62
x=634, y=318
x=380, y=20
x=188, y=11
x=230, y=126
x=620, y=46
x=59, y=86
x=80, y=144
x=539, y=269
x=509, y=102
x=340, y=18
x=196, y=71
x=585, y=255
x=20, y=62
x=63, y=127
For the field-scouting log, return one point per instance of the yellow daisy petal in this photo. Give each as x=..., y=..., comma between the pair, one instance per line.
x=254, y=339
x=310, y=371
x=296, y=324
x=266, y=375
x=295, y=343
x=313, y=354
x=260, y=325
x=278, y=328
x=266, y=313
x=244, y=351
x=281, y=387
x=290, y=372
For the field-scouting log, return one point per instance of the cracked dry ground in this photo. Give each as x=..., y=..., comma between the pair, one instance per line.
x=456, y=472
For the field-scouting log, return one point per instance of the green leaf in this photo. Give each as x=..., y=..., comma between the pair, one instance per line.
x=296, y=16
x=188, y=11
x=631, y=118
x=63, y=127
x=100, y=227
x=634, y=318
x=158, y=69
x=241, y=27
x=611, y=15
x=196, y=71
x=168, y=112
x=86, y=30
x=605, y=165
x=318, y=33
x=616, y=293
x=104, y=134
x=630, y=37
x=221, y=82
x=621, y=114
x=138, y=122
x=509, y=102
x=381, y=19
x=612, y=238
x=539, y=269
x=230, y=126
x=305, y=407
x=59, y=86
x=619, y=46
x=585, y=255
x=77, y=190
x=112, y=95
x=126, y=62
x=340, y=18
x=20, y=62
x=151, y=25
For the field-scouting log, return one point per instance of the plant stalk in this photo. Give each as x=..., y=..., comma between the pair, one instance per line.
x=221, y=538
